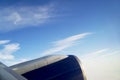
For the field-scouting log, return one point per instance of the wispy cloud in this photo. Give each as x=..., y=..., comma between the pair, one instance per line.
x=7, y=52
x=65, y=43
x=4, y=41
x=24, y=16
x=15, y=18
x=102, y=64
x=95, y=54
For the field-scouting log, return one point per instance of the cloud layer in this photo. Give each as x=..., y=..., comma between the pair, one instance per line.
x=65, y=43
x=102, y=64
x=24, y=16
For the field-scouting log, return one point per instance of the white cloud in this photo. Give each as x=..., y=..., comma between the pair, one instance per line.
x=102, y=64
x=94, y=54
x=56, y=49
x=71, y=39
x=7, y=52
x=24, y=16
x=15, y=18
x=65, y=43
x=100, y=51
x=4, y=41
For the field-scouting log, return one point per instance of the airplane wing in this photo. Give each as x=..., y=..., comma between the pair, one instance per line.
x=54, y=67
x=7, y=74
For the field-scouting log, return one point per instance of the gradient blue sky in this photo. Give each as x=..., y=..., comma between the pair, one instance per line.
x=89, y=29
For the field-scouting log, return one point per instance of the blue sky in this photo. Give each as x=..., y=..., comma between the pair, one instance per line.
x=88, y=29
